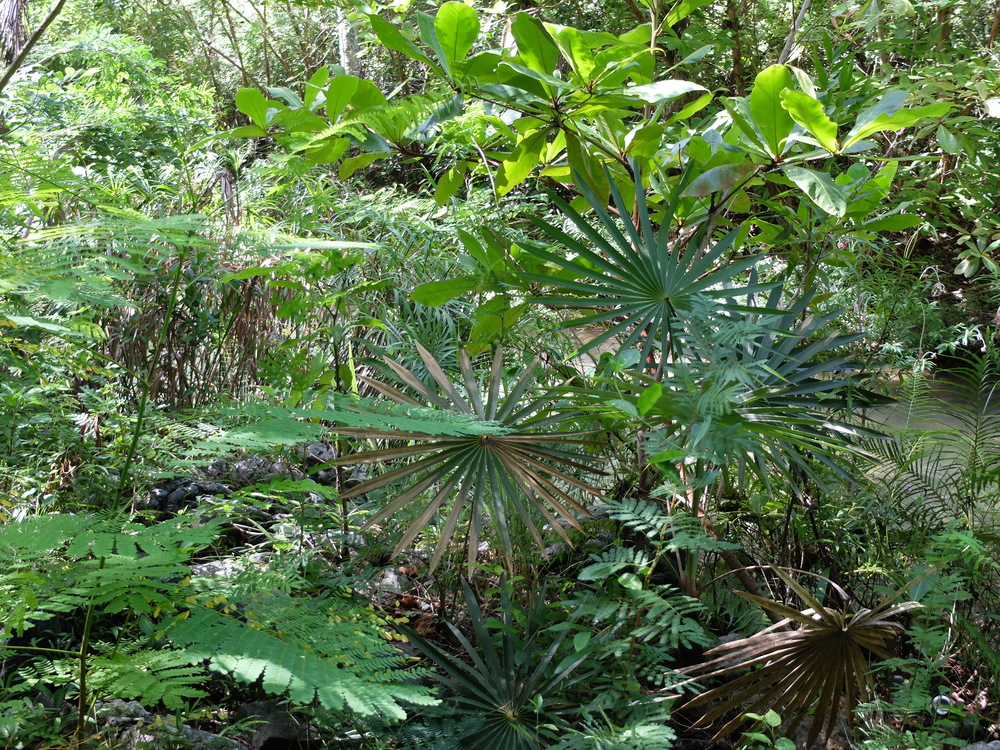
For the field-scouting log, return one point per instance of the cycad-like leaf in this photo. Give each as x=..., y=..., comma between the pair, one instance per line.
x=521, y=469
x=815, y=666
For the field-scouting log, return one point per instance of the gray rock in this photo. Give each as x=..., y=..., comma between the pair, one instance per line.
x=994, y=745
x=275, y=726
x=132, y=726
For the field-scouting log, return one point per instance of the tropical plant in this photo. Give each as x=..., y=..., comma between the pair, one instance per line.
x=514, y=472
x=73, y=573
x=814, y=667
x=513, y=688
x=952, y=471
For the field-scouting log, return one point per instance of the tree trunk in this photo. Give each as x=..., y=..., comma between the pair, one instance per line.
x=12, y=33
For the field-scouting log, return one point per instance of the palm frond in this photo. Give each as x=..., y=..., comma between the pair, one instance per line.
x=814, y=667
x=521, y=472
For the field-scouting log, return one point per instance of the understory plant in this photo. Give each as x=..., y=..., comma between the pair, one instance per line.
x=815, y=667
x=98, y=607
x=513, y=689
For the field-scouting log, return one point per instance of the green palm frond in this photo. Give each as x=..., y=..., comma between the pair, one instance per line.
x=640, y=281
x=513, y=685
x=954, y=469
x=520, y=472
x=815, y=667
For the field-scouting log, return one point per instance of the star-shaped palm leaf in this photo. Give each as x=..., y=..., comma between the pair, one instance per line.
x=520, y=471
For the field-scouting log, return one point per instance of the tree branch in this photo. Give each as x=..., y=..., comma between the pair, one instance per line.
x=32, y=41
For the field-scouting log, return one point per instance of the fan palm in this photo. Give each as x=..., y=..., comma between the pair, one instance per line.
x=513, y=687
x=640, y=281
x=521, y=471
x=816, y=666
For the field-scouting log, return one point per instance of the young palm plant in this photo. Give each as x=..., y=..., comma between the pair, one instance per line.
x=524, y=472
x=818, y=666
x=512, y=688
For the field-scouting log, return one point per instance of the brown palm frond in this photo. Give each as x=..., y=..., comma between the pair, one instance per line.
x=819, y=666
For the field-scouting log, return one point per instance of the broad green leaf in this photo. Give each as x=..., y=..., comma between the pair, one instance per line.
x=894, y=223
x=649, y=398
x=739, y=111
x=773, y=120
x=352, y=165
x=248, y=131
x=897, y=121
x=329, y=152
x=514, y=170
x=717, y=179
x=586, y=168
x=690, y=109
x=448, y=184
x=314, y=87
x=889, y=103
x=644, y=142
x=24, y=321
x=435, y=293
x=492, y=318
x=428, y=34
x=457, y=27
x=253, y=104
x=576, y=50
x=393, y=38
x=367, y=96
x=286, y=95
x=820, y=187
x=808, y=113
x=947, y=140
x=534, y=45
x=299, y=121
x=339, y=94
x=684, y=8
x=663, y=91
x=630, y=581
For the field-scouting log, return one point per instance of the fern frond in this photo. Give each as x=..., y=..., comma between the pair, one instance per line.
x=149, y=676
x=235, y=648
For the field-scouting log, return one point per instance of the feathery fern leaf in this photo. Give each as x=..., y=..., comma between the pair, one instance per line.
x=283, y=667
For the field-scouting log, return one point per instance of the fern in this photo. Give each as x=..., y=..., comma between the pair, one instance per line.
x=137, y=670
x=232, y=647
x=320, y=648
x=270, y=426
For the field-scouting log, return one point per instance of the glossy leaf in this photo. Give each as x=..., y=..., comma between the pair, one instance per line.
x=435, y=293
x=809, y=113
x=664, y=91
x=820, y=187
x=253, y=104
x=771, y=119
x=457, y=27
x=535, y=46
x=897, y=121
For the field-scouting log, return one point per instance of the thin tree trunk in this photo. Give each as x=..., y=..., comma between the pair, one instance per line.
x=345, y=43
x=944, y=23
x=733, y=26
x=786, y=51
x=28, y=45
x=994, y=28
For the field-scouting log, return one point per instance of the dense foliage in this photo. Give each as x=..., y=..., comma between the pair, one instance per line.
x=458, y=375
